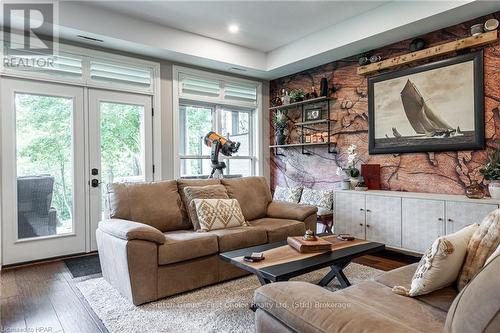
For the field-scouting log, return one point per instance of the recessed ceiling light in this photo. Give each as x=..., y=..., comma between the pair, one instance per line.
x=233, y=28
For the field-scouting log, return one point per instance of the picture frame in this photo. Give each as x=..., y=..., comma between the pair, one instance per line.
x=313, y=114
x=433, y=107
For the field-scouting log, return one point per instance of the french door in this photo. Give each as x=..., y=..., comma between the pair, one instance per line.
x=120, y=141
x=61, y=145
x=43, y=170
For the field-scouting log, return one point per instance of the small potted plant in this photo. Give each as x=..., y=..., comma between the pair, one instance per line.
x=491, y=172
x=351, y=171
x=298, y=95
x=280, y=127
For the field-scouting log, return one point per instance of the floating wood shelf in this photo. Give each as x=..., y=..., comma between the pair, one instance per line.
x=307, y=101
x=299, y=145
x=312, y=122
x=482, y=39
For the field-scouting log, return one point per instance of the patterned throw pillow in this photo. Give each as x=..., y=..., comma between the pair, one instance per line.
x=216, y=214
x=482, y=244
x=440, y=264
x=287, y=194
x=202, y=192
x=317, y=198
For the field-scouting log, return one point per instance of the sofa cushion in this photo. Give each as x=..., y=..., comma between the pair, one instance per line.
x=252, y=193
x=239, y=237
x=216, y=214
x=157, y=204
x=477, y=306
x=440, y=264
x=345, y=310
x=287, y=194
x=201, y=192
x=279, y=229
x=481, y=245
x=184, y=245
x=183, y=183
x=290, y=211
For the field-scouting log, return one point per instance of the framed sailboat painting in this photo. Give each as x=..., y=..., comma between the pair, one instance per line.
x=433, y=107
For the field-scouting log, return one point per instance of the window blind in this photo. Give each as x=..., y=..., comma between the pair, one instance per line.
x=126, y=75
x=193, y=85
x=240, y=92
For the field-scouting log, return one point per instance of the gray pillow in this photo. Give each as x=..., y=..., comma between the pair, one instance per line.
x=202, y=192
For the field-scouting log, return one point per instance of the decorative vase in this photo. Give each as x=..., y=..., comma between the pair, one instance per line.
x=280, y=137
x=494, y=188
x=474, y=191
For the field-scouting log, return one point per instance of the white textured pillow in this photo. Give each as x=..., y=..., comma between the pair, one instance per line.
x=440, y=264
x=317, y=198
x=287, y=194
x=216, y=214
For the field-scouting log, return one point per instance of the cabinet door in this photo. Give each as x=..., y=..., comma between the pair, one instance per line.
x=422, y=223
x=461, y=214
x=350, y=214
x=383, y=220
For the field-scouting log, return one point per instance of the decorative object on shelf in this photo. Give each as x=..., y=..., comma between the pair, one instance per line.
x=277, y=101
x=438, y=50
x=286, y=98
x=280, y=127
x=313, y=93
x=298, y=95
x=371, y=175
x=351, y=171
x=417, y=44
x=491, y=24
x=364, y=60
x=432, y=107
x=491, y=172
x=361, y=186
x=313, y=114
x=345, y=185
x=375, y=58
x=474, y=191
x=323, y=87
x=476, y=29
x=309, y=235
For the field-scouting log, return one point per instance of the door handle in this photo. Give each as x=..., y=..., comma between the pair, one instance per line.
x=94, y=183
x=361, y=210
x=368, y=211
x=450, y=220
x=94, y=172
x=440, y=219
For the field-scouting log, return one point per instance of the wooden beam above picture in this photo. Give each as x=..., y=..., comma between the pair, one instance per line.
x=464, y=43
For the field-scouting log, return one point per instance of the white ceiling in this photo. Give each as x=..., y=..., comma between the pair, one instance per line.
x=264, y=25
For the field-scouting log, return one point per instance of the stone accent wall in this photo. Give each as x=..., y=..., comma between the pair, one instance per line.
x=446, y=172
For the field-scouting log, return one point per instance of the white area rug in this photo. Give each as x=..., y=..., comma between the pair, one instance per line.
x=220, y=308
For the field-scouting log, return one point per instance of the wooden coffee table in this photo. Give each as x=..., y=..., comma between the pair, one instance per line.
x=282, y=262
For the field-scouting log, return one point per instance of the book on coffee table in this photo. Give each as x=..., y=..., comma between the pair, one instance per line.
x=305, y=246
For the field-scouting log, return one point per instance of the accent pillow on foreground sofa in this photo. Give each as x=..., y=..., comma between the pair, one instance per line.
x=440, y=264
x=481, y=245
x=216, y=214
x=201, y=192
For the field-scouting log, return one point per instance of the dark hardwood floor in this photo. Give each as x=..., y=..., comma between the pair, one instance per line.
x=43, y=297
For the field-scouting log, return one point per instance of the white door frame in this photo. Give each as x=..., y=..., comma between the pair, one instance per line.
x=15, y=250
x=95, y=97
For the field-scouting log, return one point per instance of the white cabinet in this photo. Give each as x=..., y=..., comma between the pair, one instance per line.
x=461, y=214
x=383, y=220
x=422, y=222
x=350, y=214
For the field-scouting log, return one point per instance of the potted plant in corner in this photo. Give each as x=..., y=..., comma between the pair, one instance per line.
x=491, y=172
x=298, y=95
x=280, y=127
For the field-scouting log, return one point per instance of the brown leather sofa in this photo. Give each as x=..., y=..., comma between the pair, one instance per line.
x=371, y=306
x=149, y=250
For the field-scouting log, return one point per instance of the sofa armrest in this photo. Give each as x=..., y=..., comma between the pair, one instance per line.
x=129, y=230
x=291, y=211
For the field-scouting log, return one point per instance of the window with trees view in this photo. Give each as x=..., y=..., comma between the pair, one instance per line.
x=233, y=123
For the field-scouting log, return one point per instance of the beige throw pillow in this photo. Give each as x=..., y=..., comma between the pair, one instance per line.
x=440, y=264
x=216, y=214
x=201, y=192
x=481, y=245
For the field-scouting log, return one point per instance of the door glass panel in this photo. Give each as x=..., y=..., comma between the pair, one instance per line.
x=122, y=144
x=44, y=161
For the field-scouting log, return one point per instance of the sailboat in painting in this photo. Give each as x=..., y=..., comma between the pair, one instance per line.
x=422, y=118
